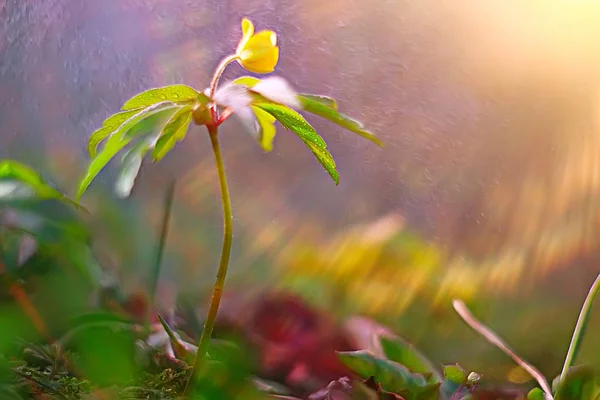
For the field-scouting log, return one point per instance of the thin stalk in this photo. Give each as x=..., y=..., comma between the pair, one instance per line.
x=491, y=337
x=219, y=71
x=584, y=316
x=214, y=111
x=224, y=263
x=160, y=251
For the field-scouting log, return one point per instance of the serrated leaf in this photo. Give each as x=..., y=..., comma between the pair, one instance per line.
x=173, y=132
x=429, y=392
x=140, y=123
x=108, y=126
x=131, y=164
x=326, y=107
x=293, y=121
x=392, y=376
x=19, y=181
x=174, y=93
x=296, y=123
x=324, y=100
x=456, y=374
x=406, y=354
x=267, y=128
x=536, y=394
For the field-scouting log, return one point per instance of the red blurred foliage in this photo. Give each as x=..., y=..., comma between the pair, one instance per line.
x=296, y=343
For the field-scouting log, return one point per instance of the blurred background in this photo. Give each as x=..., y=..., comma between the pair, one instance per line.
x=487, y=189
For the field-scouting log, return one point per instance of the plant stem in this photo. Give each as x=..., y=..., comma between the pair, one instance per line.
x=219, y=71
x=224, y=263
x=164, y=230
x=491, y=337
x=584, y=316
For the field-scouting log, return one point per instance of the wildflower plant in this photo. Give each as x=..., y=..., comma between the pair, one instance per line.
x=153, y=122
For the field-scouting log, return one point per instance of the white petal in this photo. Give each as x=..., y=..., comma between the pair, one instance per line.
x=238, y=98
x=248, y=119
x=232, y=95
x=278, y=90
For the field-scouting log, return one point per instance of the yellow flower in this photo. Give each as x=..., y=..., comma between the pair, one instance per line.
x=257, y=53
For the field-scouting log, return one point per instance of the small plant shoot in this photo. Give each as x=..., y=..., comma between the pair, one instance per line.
x=153, y=122
x=71, y=330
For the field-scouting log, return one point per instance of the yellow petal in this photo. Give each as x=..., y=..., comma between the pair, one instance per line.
x=262, y=62
x=247, y=32
x=267, y=129
x=262, y=40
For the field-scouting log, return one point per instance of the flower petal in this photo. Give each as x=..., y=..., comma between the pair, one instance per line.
x=233, y=96
x=263, y=64
x=277, y=89
x=249, y=120
x=263, y=40
x=238, y=98
x=267, y=128
x=247, y=32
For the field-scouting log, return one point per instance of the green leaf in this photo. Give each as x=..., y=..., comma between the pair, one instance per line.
x=267, y=128
x=8, y=392
x=248, y=81
x=174, y=93
x=108, y=126
x=429, y=392
x=296, y=123
x=580, y=384
x=105, y=354
x=140, y=123
x=326, y=107
x=131, y=164
x=456, y=374
x=173, y=132
x=392, y=376
x=406, y=354
x=323, y=100
x=536, y=394
x=19, y=181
